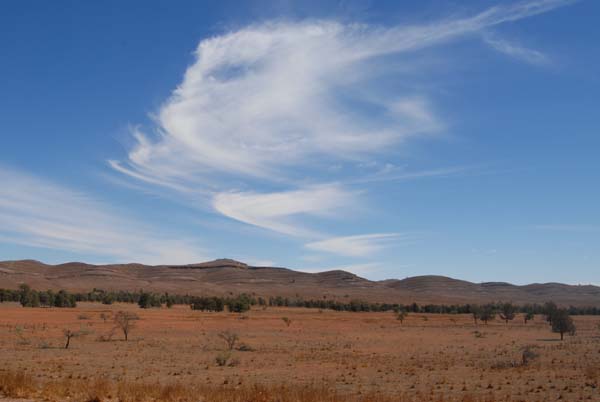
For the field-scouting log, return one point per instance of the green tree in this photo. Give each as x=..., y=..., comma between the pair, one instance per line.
x=507, y=312
x=28, y=297
x=528, y=316
x=475, y=312
x=148, y=300
x=562, y=323
x=487, y=313
x=550, y=309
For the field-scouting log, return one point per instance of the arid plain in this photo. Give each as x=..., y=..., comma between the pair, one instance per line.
x=291, y=354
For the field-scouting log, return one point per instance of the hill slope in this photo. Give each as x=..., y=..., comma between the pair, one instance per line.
x=222, y=277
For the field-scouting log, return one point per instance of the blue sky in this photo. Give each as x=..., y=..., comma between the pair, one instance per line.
x=388, y=139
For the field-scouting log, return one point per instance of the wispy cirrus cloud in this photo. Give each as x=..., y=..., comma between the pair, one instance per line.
x=517, y=51
x=354, y=246
x=277, y=211
x=39, y=213
x=278, y=103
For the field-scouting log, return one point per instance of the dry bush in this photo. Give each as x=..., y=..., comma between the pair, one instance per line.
x=16, y=384
x=125, y=321
x=98, y=390
x=102, y=390
x=528, y=355
x=230, y=338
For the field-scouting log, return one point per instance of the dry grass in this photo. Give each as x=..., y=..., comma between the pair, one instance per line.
x=172, y=355
x=20, y=385
x=16, y=384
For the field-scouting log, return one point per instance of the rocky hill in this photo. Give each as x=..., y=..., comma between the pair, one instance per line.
x=224, y=276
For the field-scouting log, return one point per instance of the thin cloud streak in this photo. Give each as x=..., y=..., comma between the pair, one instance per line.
x=37, y=213
x=530, y=56
x=355, y=246
x=276, y=211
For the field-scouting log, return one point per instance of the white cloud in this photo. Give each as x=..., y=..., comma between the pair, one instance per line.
x=38, y=213
x=276, y=103
x=267, y=97
x=517, y=51
x=354, y=246
x=276, y=211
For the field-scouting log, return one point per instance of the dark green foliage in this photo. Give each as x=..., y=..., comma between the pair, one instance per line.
x=549, y=310
x=528, y=316
x=149, y=300
x=507, y=312
x=208, y=304
x=28, y=297
x=239, y=304
x=487, y=313
x=108, y=299
x=64, y=299
x=475, y=312
x=562, y=323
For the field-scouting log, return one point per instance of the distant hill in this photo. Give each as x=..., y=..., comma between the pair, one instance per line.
x=225, y=276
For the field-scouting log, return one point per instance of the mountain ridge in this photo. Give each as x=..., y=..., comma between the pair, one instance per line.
x=227, y=276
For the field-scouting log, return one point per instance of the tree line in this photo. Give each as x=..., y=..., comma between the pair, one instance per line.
x=240, y=303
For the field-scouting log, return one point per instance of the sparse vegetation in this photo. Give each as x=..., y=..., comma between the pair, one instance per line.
x=422, y=350
x=287, y=321
x=528, y=355
x=230, y=339
x=125, y=321
x=401, y=315
x=70, y=334
x=528, y=316
x=222, y=358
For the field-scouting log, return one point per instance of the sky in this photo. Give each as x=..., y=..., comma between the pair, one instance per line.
x=390, y=139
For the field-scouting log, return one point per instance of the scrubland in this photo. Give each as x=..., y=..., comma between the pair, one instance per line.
x=290, y=354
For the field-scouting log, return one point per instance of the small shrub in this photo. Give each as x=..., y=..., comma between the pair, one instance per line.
x=245, y=348
x=222, y=358
x=230, y=339
x=287, y=321
x=528, y=355
x=22, y=340
x=401, y=315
